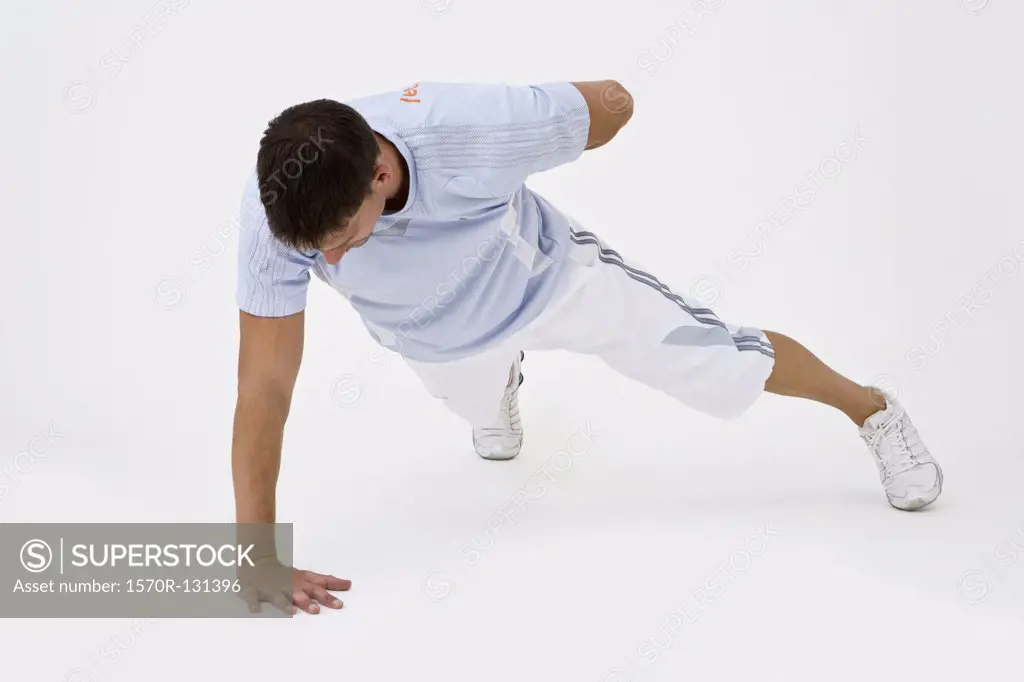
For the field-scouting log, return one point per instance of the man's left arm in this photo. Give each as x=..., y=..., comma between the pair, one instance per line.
x=491, y=138
x=611, y=107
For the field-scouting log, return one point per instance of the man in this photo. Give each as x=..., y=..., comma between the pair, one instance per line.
x=412, y=205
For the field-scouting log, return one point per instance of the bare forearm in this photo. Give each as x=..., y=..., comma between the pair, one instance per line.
x=256, y=455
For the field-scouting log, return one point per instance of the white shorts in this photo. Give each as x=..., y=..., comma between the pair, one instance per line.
x=612, y=308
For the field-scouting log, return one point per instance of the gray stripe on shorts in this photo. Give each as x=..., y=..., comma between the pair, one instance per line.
x=760, y=349
x=749, y=338
x=703, y=315
x=714, y=336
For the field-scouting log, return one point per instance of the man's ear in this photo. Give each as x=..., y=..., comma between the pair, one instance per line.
x=381, y=173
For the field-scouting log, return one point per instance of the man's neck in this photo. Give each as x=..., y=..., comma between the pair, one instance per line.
x=400, y=195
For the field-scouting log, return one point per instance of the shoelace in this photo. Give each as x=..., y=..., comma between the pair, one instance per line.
x=905, y=447
x=508, y=418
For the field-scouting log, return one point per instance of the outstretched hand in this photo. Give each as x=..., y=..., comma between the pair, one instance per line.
x=268, y=581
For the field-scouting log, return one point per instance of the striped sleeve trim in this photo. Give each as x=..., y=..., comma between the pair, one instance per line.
x=272, y=285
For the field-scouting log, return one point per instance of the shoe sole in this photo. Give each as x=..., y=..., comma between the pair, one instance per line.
x=914, y=504
x=498, y=459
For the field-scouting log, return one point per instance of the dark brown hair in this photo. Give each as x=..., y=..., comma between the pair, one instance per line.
x=315, y=165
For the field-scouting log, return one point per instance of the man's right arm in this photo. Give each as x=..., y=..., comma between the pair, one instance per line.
x=270, y=351
x=271, y=297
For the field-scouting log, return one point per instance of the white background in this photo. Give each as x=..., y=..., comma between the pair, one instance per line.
x=114, y=184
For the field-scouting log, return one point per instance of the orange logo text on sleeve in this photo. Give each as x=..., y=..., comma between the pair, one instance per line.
x=410, y=93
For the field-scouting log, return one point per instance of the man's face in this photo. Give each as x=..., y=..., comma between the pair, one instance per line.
x=358, y=229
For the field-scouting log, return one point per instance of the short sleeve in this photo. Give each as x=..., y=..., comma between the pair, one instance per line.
x=498, y=135
x=272, y=277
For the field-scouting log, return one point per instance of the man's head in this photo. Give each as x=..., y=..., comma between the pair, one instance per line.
x=322, y=178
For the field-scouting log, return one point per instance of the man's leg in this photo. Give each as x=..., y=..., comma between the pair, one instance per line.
x=644, y=330
x=800, y=374
x=911, y=477
x=483, y=390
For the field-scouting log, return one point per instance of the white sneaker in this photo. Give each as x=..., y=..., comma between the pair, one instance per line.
x=912, y=478
x=504, y=439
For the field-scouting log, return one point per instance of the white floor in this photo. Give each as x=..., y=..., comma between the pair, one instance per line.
x=775, y=523
x=778, y=518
